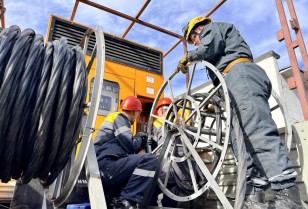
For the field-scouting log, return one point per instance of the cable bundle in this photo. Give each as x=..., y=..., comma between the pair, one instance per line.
x=42, y=95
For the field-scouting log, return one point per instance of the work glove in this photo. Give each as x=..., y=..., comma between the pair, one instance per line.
x=182, y=64
x=144, y=139
x=152, y=143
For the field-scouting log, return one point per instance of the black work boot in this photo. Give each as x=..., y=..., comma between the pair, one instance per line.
x=125, y=204
x=255, y=201
x=287, y=199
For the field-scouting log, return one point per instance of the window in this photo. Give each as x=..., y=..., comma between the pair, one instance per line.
x=109, y=97
x=107, y=87
x=115, y=89
x=105, y=103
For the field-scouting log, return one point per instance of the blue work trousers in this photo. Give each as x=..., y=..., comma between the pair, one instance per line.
x=268, y=162
x=131, y=175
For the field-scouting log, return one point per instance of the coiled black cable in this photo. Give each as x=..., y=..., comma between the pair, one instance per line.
x=59, y=113
x=9, y=92
x=7, y=41
x=47, y=114
x=42, y=89
x=24, y=104
x=71, y=130
x=28, y=92
x=42, y=94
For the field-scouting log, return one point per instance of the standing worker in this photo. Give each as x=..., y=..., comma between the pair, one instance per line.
x=249, y=87
x=120, y=166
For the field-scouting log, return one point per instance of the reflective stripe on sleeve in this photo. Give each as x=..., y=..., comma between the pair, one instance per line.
x=145, y=173
x=107, y=124
x=121, y=130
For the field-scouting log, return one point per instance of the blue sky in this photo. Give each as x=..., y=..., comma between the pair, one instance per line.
x=257, y=21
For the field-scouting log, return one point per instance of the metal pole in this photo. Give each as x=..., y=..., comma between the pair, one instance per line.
x=86, y=138
x=125, y=16
x=74, y=10
x=284, y=34
x=298, y=32
x=2, y=8
x=207, y=14
x=137, y=16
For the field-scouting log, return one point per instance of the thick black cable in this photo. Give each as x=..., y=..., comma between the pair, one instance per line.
x=72, y=128
x=9, y=91
x=45, y=125
x=42, y=90
x=25, y=102
x=42, y=96
x=63, y=98
x=7, y=41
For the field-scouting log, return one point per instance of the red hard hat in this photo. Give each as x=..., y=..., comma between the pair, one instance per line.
x=131, y=103
x=165, y=101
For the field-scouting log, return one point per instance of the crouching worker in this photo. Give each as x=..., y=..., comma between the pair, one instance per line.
x=122, y=169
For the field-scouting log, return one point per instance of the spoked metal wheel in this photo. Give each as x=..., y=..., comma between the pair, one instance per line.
x=278, y=111
x=61, y=190
x=196, y=129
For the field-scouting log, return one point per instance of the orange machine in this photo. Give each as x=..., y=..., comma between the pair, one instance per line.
x=130, y=69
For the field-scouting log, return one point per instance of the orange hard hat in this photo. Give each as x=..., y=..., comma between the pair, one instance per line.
x=165, y=101
x=131, y=103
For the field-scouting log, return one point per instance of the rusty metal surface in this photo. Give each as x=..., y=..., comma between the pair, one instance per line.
x=2, y=11
x=149, y=25
x=125, y=16
x=74, y=10
x=137, y=16
x=137, y=20
x=207, y=15
x=284, y=34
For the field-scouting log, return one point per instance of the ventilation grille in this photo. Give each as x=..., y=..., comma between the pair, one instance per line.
x=117, y=50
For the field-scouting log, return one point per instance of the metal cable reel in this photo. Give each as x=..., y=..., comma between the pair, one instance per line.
x=194, y=123
x=197, y=122
x=86, y=146
x=278, y=105
x=288, y=140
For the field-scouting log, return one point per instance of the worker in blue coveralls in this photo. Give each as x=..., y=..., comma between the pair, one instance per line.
x=156, y=140
x=120, y=165
x=160, y=110
x=222, y=45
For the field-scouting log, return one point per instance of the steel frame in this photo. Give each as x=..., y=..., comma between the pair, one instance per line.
x=2, y=11
x=284, y=34
x=137, y=20
x=146, y=24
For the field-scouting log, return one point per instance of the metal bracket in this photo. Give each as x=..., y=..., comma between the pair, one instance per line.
x=291, y=83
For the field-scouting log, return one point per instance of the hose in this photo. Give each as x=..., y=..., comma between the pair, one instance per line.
x=42, y=96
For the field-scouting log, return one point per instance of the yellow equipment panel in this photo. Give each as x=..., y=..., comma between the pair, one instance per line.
x=131, y=69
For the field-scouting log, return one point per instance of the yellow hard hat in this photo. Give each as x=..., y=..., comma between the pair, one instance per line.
x=191, y=24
